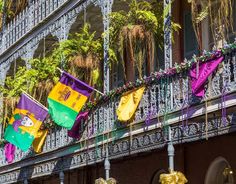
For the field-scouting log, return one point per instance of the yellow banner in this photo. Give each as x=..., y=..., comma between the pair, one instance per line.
x=128, y=104
x=39, y=140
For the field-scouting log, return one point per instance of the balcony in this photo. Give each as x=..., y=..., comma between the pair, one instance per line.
x=165, y=101
x=35, y=14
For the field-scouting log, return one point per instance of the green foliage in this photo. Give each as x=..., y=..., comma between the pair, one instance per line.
x=140, y=13
x=220, y=16
x=135, y=34
x=150, y=15
x=43, y=72
x=81, y=43
x=1, y=6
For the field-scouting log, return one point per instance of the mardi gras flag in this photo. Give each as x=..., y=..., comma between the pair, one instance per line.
x=78, y=127
x=204, y=71
x=25, y=123
x=39, y=140
x=128, y=104
x=66, y=100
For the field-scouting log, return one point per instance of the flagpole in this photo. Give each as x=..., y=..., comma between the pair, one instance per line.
x=99, y=92
x=93, y=88
x=34, y=100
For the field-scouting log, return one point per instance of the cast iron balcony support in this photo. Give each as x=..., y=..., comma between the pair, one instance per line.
x=171, y=150
x=61, y=176
x=106, y=8
x=168, y=64
x=107, y=164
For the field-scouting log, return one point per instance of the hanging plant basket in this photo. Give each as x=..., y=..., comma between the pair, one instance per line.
x=137, y=44
x=90, y=61
x=134, y=35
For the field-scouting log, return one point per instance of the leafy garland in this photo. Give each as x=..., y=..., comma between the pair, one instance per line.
x=156, y=76
x=153, y=78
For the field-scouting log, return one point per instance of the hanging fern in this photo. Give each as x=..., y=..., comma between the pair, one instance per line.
x=134, y=33
x=220, y=14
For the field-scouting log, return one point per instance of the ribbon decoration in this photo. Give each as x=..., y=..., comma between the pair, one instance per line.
x=102, y=181
x=173, y=178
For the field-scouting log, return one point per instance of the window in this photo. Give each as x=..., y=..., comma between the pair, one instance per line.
x=117, y=75
x=219, y=172
x=232, y=35
x=190, y=41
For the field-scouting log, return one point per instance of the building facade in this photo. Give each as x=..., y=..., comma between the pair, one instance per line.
x=202, y=132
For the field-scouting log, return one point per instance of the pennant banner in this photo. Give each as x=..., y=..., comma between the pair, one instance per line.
x=66, y=100
x=204, y=71
x=25, y=123
x=128, y=104
x=39, y=140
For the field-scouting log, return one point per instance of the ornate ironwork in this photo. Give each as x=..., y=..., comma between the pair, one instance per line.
x=155, y=102
x=146, y=141
x=167, y=34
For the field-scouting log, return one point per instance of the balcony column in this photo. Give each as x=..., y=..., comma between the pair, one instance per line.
x=3, y=31
x=29, y=53
x=30, y=12
x=168, y=64
x=106, y=8
x=62, y=177
x=167, y=34
x=25, y=177
x=107, y=164
x=171, y=150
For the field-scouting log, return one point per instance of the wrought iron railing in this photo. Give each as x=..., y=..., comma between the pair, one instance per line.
x=35, y=13
x=156, y=102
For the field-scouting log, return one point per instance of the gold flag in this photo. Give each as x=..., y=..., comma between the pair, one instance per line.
x=128, y=104
x=39, y=140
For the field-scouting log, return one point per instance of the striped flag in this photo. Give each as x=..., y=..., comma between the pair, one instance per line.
x=66, y=100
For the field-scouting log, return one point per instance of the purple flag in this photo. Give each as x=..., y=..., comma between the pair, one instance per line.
x=205, y=70
x=77, y=128
x=9, y=150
